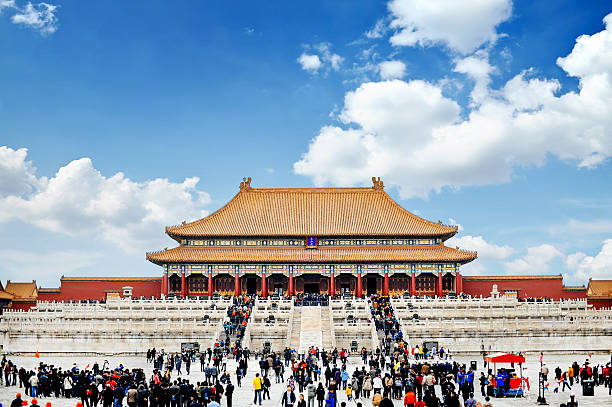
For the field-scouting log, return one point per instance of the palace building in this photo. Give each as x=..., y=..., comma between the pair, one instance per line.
x=308, y=240
x=311, y=240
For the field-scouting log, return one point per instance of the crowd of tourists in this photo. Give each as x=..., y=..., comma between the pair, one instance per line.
x=417, y=375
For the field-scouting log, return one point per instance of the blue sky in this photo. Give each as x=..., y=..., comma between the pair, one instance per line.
x=109, y=110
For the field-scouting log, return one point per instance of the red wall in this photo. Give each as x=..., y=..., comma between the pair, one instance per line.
x=24, y=306
x=600, y=303
x=551, y=288
x=95, y=289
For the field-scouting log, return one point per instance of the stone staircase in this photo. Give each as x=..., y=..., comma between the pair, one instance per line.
x=296, y=328
x=326, y=328
x=311, y=331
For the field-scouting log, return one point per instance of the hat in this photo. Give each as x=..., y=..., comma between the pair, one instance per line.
x=34, y=402
x=18, y=395
x=79, y=404
x=48, y=404
x=572, y=394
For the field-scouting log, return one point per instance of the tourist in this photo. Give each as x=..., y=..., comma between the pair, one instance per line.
x=288, y=399
x=301, y=401
x=320, y=393
x=487, y=402
x=17, y=402
x=409, y=398
x=257, y=385
x=311, y=392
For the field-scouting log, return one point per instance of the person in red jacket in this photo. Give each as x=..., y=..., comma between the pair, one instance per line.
x=409, y=399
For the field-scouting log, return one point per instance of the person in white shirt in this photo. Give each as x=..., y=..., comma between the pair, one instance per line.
x=377, y=384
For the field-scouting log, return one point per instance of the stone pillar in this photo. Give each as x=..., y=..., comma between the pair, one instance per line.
x=210, y=284
x=458, y=282
x=332, y=284
x=290, y=287
x=413, y=284
x=236, y=285
x=264, y=285
x=183, y=284
x=358, y=291
x=439, y=285
x=386, y=285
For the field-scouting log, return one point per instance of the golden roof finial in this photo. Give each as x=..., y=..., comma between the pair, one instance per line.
x=245, y=184
x=377, y=183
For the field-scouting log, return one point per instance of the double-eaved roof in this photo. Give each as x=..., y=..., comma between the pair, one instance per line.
x=305, y=212
x=311, y=212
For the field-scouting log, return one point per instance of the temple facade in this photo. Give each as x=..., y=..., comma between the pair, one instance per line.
x=311, y=240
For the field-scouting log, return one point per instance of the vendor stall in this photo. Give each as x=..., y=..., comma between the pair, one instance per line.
x=507, y=383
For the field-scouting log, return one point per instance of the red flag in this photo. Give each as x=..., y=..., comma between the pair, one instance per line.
x=589, y=356
x=87, y=367
x=37, y=355
x=541, y=357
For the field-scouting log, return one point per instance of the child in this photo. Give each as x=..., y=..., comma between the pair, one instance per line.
x=349, y=392
x=487, y=402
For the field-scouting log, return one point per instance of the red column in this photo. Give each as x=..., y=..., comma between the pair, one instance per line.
x=164, y=284
x=413, y=284
x=264, y=285
x=236, y=285
x=290, y=288
x=439, y=286
x=332, y=285
x=458, y=282
x=359, y=290
x=210, y=285
x=386, y=285
x=183, y=285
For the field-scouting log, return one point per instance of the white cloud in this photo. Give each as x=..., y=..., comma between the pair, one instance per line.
x=597, y=267
x=536, y=261
x=462, y=26
x=378, y=30
x=477, y=68
x=44, y=266
x=320, y=56
x=80, y=201
x=40, y=16
x=392, y=70
x=16, y=174
x=486, y=250
x=310, y=63
x=413, y=136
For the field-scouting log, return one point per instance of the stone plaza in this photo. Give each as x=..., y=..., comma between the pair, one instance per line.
x=244, y=396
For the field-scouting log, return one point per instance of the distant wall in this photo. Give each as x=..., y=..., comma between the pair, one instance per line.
x=532, y=287
x=95, y=289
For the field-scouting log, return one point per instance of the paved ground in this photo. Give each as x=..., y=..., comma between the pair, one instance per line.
x=243, y=396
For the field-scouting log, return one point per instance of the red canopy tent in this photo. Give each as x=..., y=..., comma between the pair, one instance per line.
x=508, y=358
x=504, y=358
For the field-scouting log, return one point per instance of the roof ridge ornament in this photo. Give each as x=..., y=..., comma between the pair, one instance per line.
x=377, y=183
x=245, y=184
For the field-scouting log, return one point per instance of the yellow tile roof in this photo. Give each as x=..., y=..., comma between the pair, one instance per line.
x=22, y=291
x=431, y=253
x=599, y=289
x=311, y=212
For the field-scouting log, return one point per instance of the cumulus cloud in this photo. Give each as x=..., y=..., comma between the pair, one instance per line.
x=392, y=70
x=598, y=266
x=80, y=201
x=414, y=136
x=462, y=26
x=477, y=68
x=310, y=63
x=319, y=56
x=486, y=250
x=39, y=16
x=16, y=173
x=536, y=261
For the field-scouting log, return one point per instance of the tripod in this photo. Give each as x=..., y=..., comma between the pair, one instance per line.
x=541, y=399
